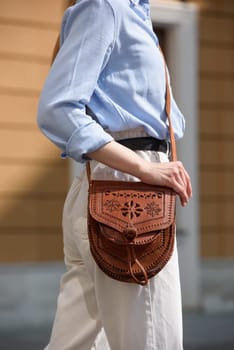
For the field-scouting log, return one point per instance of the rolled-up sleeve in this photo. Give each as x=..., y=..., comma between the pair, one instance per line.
x=87, y=38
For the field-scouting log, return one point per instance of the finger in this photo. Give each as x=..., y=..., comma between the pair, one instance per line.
x=186, y=179
x=181, y=189
x=189, y=185
x=178, y=184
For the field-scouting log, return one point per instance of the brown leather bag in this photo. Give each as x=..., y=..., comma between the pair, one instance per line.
x=131, y=225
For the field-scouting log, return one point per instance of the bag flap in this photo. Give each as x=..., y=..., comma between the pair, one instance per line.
x=120, y=204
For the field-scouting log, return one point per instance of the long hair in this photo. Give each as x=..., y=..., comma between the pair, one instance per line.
x=57, y=44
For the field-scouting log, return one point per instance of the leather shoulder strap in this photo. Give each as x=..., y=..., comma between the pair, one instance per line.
x=168, y=113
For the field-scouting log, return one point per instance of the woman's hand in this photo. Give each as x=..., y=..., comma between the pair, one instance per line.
x=172, y=174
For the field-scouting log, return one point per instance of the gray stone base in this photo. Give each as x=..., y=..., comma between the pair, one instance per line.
x=218, y=285
x=28, y=294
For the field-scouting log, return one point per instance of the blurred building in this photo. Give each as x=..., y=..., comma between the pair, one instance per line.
x=34, y=180
x=216, y=145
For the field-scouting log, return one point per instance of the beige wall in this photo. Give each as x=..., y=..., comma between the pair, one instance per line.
x=217, y=127
x=33, y=180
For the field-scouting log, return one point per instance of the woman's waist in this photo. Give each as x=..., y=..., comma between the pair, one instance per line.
x=138, y=132
x=138, y=139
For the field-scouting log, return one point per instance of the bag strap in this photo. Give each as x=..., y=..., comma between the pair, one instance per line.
x=168, y=113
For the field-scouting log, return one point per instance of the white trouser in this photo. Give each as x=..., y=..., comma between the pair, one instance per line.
x=92, y=306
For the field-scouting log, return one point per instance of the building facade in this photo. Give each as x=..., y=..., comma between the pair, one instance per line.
x=34, y=180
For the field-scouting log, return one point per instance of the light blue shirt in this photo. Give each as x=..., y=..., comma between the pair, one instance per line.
x=110, y=62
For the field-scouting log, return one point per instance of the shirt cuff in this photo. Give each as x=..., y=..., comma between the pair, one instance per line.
x=84, y=140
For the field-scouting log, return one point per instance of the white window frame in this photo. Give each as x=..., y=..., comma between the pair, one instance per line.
x=180, y=21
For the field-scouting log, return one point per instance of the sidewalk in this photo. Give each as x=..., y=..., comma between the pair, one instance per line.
x=201, y=332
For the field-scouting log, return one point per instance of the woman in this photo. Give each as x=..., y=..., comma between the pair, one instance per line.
x=108, y=83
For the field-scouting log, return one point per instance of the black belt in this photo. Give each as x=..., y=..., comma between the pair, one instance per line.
x=145, y=144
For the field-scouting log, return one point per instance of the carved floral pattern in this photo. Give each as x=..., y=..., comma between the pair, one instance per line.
x=111, y=205
x=152, y=209
x=131, y=209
